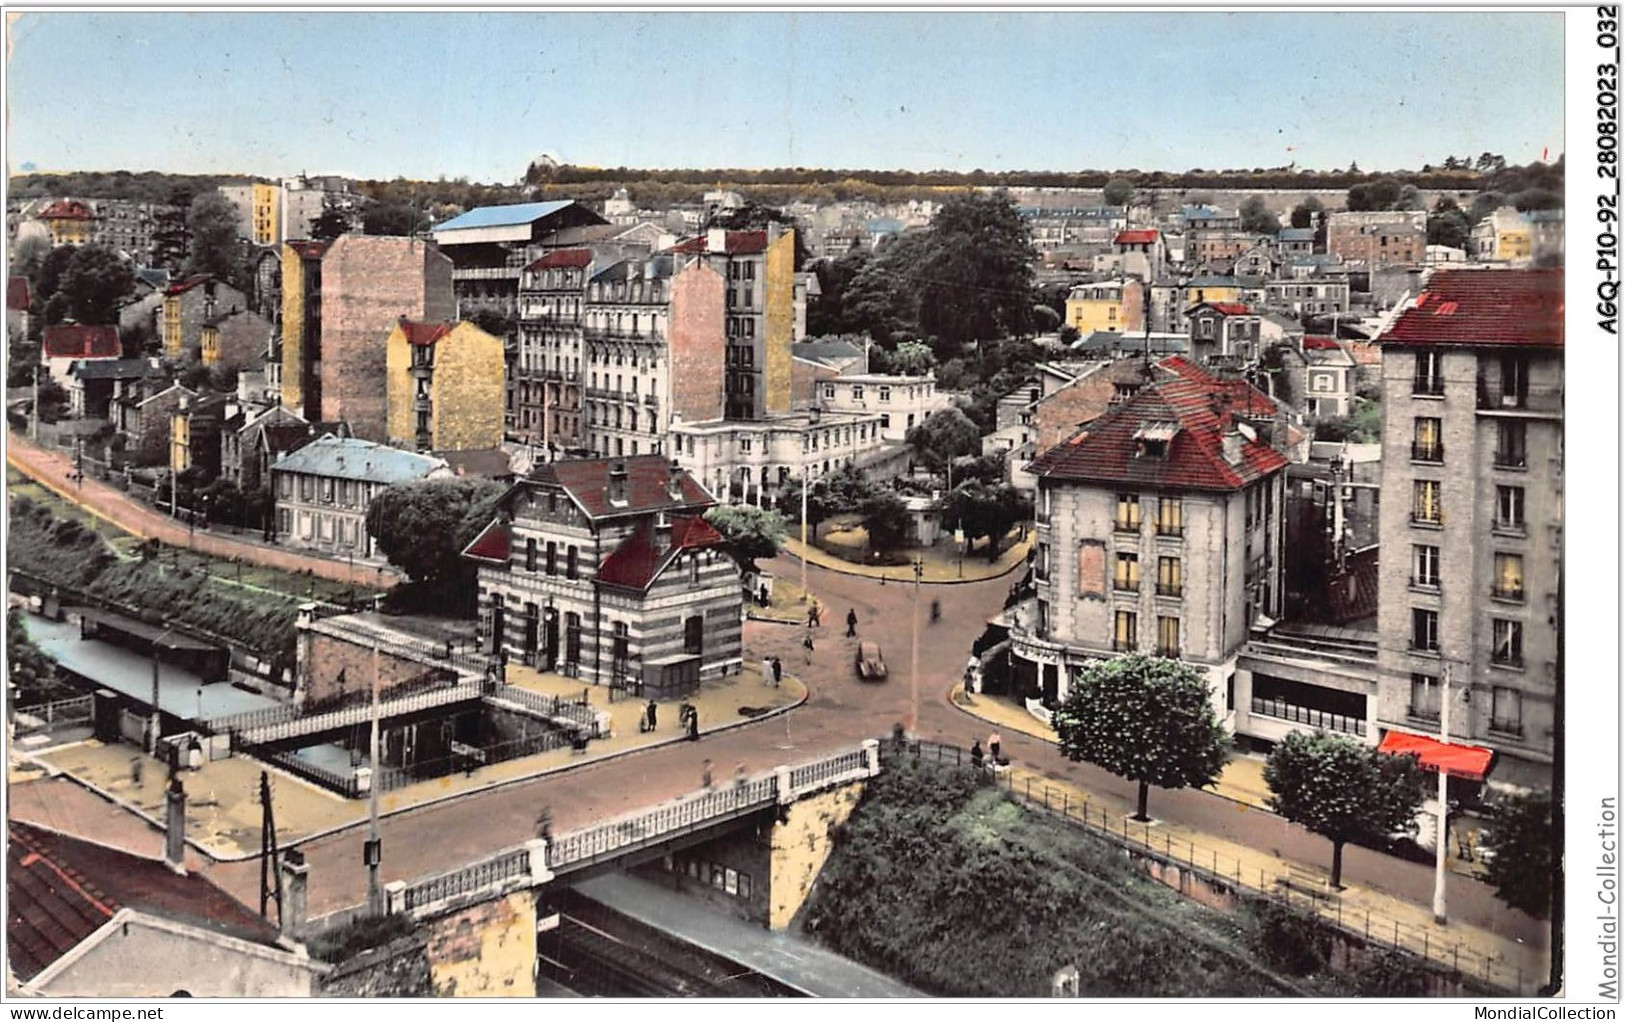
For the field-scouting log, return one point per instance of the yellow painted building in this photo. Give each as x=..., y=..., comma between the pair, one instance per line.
x=69, y=221
x=779, y=313
x=209, y=345
x=1212, y=289
x=180, y=440
x=172, y=326
x=1109, y=305
x=266, y=205
x=445, y=386
x=1513, y=244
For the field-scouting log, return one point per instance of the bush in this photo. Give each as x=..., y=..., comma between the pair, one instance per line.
x=368, y=932
x=1288, y=941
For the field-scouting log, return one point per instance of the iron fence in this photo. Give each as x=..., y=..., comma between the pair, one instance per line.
x=481, y=876
x=670, y=818
x=810, y=775
x=393, y=778
x=580, y=714
x=47, y=716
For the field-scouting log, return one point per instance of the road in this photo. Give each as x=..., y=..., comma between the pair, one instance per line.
x=840, y=712
x=52, y=469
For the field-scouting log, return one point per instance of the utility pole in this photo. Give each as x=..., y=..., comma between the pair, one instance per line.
x=803, y=532
x=33, y=433
x=372, y=852
x=1441, y=852
x=157, y=718
x=914, y=657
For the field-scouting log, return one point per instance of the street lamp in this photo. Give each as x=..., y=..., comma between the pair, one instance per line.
x=914, y=656
x=1441, y=852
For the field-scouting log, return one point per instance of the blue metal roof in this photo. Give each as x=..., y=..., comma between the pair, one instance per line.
x=350, y=458
x=512, y=215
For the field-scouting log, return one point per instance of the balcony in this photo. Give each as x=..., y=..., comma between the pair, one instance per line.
x=1425, y=714
x=1427, y=452
x=1307, y=715
x=1174, y=591
x=1507, y=728
x=1507, y=594
x=1122, y=525
x=1515, y=460
x=1537, y=401
x=1425, y=583
x=1427, y=520
x=651, y=400
x=1167, y=652
x=1124, y=586
x=1168, y=531
x=1427, y=386
x=1125, y=646
x=1512, y=660
x=487, y=273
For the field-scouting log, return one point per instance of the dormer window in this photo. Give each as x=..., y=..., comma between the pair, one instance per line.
x=1152, y=439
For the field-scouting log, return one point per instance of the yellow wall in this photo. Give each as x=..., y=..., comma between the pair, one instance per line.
x=800, y=848
x=293, y=330
x=265, y=213
x=179, y=449
x=470, y=374
x=172, y=326
x=487, y=950
x=69, y=232
x=209, y=345
x=398, y=390
x=1091, y=314
x=1513, y=245
x=1211, y=294
x=780, y=320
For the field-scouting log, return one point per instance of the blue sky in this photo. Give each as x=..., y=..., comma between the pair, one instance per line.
x=422, y=95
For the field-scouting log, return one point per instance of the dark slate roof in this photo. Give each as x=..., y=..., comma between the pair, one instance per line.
x=61, y=890
x=1104, y=342
x=115, y=369
x=285, y=436
x=1522, y=308
x=1297, y=234
x=1104, y=451
x=587, y=482
x=485, y=462
x=637, y=562
x=73, y=340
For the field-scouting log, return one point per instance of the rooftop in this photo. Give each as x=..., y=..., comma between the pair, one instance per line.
x=74, y=340
x=350, y=458
x=647, y=477
x=513, y=215
x=1142, y=237
x=639, y=560
x=1476, y=308
x=734, y=243
x=572, y=258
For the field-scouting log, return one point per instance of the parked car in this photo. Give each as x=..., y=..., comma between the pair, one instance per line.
x=870, y=664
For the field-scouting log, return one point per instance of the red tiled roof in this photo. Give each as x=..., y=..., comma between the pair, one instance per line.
x=67, y=209
x=309, y=249
x=494, y=543
x=1315, y=343
x=587, y=481
x=571, y=258
x=637, y=562
x=1484, y=307
x=734, y=243
x=423, y=334
x=1105, y=451
x=188, y=283
x=1226, y=308
x=1144, y=237
x=1244, y=398
x=73, y=340
x=61, y=890
x=17, y=293
x=1365, y=353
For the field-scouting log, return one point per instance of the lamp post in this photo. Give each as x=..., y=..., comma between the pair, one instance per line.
x=1442, y=851
x=803, y=532
x=372, y=852
x=914, y=656
x=157, y=717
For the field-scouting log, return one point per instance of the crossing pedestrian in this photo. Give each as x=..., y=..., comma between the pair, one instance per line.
x=852, y=623
x=778, y=672
x=993, y=747
x=767, y=670
x=807, y=647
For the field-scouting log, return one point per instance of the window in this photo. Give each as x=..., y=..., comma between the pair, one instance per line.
x=552, y=557
x=1425, y=566
x=572, y=637
x=1508, y=576
x=1506, y=710
x=1425, y=507
x=571, y=569
x=1124, y=635
x=1427, y=445
x=1168, y=577
x=1424, y=630
x=885, y=393
x=1514, y=381
x=1509, y=445
x=829, y=393
x=1507, y=646
x=1429, y=378
x=619, y=646
x=1128, y=512
x=1041, y=563
x=530, y=555
x=1170, y=516
x=1509, y=508
x=1424, y=697
x=857, y=393
x=1127, y=575
x=1168, y=636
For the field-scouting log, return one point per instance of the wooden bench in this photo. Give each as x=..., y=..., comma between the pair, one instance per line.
x=1309, y=882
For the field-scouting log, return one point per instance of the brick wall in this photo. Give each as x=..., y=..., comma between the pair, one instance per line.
x=698, y=345
x=486, y=950
x=467, y=389
x=779, y=319
x=322, y=658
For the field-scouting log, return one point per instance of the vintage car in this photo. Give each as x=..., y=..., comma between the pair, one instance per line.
x=871, y=665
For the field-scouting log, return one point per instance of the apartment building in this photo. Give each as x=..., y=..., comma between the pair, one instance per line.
x=302, y=328
x=1378, y=239
x=445, y=383
x=1307, y=297
x=546, y=371
x=754, y=461
x=324, y=487
x=605, y=569
x=902, y=402
x=1110, y=305
x=1471, y=523
x=190, y=303
x=1225, y=331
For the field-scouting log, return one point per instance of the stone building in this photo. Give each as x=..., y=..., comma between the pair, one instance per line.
x=324, y=487
x=902, y=402
x=1377, y=239
x=445, y=383
x=604, y=569
x=1225, y=331
x=190, y=303
x=235, y=339
x=752, y=462
x=301, y=324
x=141, y=412
x=1471, y=523
x=545, y=375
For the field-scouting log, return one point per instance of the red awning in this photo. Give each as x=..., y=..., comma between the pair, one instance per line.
x=1469, y=761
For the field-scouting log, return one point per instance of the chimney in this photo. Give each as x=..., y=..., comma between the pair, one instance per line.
x=716, y=240
x=295, y=884
x=175, y=826
x=1232, y=441
x=617, y=483
x=674, y=482
x=775, y=231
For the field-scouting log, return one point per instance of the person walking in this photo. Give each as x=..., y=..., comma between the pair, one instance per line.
x=807, y=647
x=852, y=623
x=993, y=747
x=705, y=774
x=976, y=755
x=767, y=670
x=817, y=614
x=778, y=672
x=649, y=715
x=693, y=724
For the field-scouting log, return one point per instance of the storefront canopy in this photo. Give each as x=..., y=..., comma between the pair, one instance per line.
x=1469, y=761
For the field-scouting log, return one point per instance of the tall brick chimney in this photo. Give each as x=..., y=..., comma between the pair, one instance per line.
x=674, y=481
x=617, y=484
x=175, y=826
x=295, y=885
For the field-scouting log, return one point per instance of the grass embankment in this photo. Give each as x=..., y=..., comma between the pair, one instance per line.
x=942, y=881
x=72, y=553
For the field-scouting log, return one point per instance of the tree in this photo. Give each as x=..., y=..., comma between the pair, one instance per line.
x=748, y=532
x=423, y=526
x=95, y=282
x=1342, y=790
x=944, y=435
x=1490, y=163
x=910, y=358
x=26, y=257
x=47, y=278
x=1447, y=224
x=1304, y=213
x=1522, y=838
x=983, y=509
x=212, y=225
x=1485, y=203
x=1257, y=218
x=1118, y=192
x=1410, y=197
x=396, y=219
x=1146, y=719
x=30, y=669
x=885, y=519
x=330, y=223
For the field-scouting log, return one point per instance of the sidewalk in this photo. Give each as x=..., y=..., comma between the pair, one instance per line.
x=938, y=567
x=223, y=814
x=1381, y=915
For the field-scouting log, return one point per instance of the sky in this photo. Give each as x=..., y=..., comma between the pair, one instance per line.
x=425, y=95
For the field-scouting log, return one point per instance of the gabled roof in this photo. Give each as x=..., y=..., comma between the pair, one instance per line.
x=494, y=544
x=513, y=215
x=67, y=209
x=1243, y=397
x=572, y=258
x=1223, y=308
x=1313, y=342
x=1107, y=450
x=1142, y=237
x=822, y=350
x=73, y=340
x=17, y=293
x=1473, y=308
x=637, y=562
x=422, y=334
x=114, y=369
x=279, y=437
x=734, y=243
x=350, y=458
x=587, y=482
x=61, y=890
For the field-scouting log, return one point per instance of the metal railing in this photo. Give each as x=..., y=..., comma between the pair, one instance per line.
x=1492, y=396
x=276, y=723
x=827, y=771
x=582, y=715
x=60, y=713
x=508, y=865
x=1298, y=888
x=1281, y=710
x=1427, y=452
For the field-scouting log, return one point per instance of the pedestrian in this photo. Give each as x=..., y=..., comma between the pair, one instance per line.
x=767, y=670
x=693, y=724
x=135, y=771
x=936, y=611
x=807, y=647
x=778, y=671
x=705, y=775
x=976, y=755
x=993, y=747
x=544, y=823
x=650, y=714
x=739, y=775
x=812, y=614
x=852, y=623
x=761, y=597
x=817, y=613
